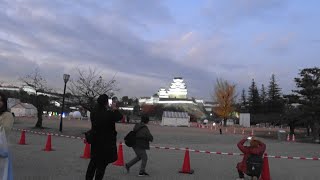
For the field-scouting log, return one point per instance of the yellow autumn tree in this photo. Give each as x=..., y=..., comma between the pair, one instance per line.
x=224, y=95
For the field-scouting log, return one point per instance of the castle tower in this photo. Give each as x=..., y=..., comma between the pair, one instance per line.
x=178, y=89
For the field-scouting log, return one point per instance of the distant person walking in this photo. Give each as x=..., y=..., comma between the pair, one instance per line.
x=6, y=123
x=256, y=148
x=128, y=119
x=103, y=145
x=143, y=137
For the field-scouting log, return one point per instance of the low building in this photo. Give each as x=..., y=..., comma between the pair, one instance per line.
x=170, y=118
x=24, y=109
x=12, y=102
x=209, y=106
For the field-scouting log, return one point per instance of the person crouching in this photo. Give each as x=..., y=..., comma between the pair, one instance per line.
x=255, y=150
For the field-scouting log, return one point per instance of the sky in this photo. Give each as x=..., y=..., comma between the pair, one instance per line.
x=145, y=43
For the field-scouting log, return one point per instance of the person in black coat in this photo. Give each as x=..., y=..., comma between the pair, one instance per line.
x=104, y=144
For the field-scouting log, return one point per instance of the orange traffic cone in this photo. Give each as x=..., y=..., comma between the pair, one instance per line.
x=186, y=164
x=23, y=138
x=48, y=144
x=288, y=137
x=234, y=130
x=226, y=130
x=265, y=174
x=252, y=132
x=293, y=138
x=120, y=161
x=86, y=153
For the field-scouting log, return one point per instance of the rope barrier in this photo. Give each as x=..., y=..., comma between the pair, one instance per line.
x=175, y=148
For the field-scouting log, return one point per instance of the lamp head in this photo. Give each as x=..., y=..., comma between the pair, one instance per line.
x=66, y=77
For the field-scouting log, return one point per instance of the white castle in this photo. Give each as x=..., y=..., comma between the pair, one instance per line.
x=177, y=93
x=177, y=90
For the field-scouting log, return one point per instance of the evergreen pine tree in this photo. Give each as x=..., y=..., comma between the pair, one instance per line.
x=243, y=101
x=254, y=98
x=275, y=101
x=263, y=97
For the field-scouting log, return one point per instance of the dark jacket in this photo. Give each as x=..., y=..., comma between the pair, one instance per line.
x=242, y=166
x=104, y=145
x=143, y=136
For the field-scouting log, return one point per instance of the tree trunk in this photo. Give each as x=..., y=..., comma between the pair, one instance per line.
x=39, y=114
x=315, y=131
x=292, y=127
x=308, y=130
x=225, y=122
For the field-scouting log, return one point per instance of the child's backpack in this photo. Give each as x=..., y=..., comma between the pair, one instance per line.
x=130, y=138
x=254, y=165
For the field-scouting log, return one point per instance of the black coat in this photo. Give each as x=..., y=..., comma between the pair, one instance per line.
x=143, y=136
x=104, y=145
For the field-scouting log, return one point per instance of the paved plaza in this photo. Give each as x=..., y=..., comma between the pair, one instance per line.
x=30, y=162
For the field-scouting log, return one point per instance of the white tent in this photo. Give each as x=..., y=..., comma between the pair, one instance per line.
x=244, y=119
x=175, y=119
x=24, y=109
x=76, y=114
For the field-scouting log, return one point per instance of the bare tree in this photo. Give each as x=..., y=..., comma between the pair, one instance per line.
x=39, y=84
x=224, y=94
x=89, y=86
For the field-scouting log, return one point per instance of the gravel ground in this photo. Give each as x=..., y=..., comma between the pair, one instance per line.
x=30, y=162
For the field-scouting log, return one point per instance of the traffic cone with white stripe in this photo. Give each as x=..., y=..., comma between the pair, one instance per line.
x=288, y=137
x=252, y=132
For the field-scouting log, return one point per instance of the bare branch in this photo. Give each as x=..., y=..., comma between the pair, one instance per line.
x=36, y=81
x=89, y=85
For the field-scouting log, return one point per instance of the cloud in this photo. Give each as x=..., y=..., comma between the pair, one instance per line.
x=260, y=38
x=142, y=42
x=283, y=43
x=46, y=35
x=225, y=13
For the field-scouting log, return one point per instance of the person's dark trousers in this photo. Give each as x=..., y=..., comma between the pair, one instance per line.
x=96, y=168
x=141, y=155
x=241, y=174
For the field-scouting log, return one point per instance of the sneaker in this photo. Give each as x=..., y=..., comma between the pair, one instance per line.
x=141, y=174
x=127, y=168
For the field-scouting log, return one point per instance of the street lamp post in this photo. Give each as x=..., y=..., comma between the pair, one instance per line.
x=66, y=79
